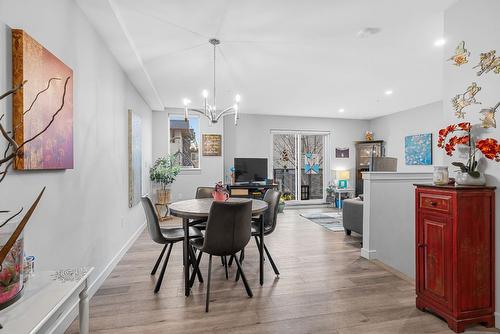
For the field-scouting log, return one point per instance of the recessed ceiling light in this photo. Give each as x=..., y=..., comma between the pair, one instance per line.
x=341, y=110
x=440, y=42
x=388, y=92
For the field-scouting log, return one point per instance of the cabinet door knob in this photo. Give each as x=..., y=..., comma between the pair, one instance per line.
x=433, y=203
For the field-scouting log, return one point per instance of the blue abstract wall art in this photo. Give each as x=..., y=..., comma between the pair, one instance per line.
x=418, y=149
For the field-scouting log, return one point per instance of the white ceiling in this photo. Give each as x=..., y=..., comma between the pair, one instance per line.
x=285, y=57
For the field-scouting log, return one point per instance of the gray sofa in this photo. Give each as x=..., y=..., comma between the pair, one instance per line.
x=352, y=213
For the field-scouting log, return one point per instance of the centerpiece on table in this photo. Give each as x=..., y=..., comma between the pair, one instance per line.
x=461, y=134
x=220, y=192
x=164, y=172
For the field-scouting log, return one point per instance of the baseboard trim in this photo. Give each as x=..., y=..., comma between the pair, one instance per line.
x=369, y=254
x=66, y=320
x=396, y=272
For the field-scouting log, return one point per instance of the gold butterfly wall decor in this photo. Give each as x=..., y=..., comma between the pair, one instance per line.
x=488, y=117
x=460, y=101
x=461, y=55
x=488, y=61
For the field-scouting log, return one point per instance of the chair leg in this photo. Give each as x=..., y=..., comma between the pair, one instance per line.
x=194, y=273
x=160, y=279
x=208, y=282
x=247, y=287
x=272, y=262
x=257, y=242
x=231, y=261
x=225, y=266
x=159, y=260
x=196, y=269
x=238, y=271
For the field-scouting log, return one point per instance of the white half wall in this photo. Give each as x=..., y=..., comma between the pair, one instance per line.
x=389, y=218
x=83, y=218
x=211, y=168
x=395, y=127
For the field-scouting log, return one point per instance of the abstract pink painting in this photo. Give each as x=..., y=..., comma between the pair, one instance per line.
x=45, y=100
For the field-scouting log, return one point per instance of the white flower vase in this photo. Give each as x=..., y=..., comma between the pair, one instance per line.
x=464, y=179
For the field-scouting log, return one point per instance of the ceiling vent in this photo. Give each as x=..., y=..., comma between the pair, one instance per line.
x=367, y=32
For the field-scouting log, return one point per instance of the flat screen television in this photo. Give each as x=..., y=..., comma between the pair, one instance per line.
x=248, y=170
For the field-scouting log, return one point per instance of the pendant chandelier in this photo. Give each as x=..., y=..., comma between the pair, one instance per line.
x=210, y=110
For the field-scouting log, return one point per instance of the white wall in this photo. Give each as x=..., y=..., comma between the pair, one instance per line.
x=83, y=218
x=475, y=22
x=210, y=171
x=395, y=127
x=252, y=136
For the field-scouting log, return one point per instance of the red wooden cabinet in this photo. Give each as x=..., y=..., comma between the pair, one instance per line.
x=455, y=253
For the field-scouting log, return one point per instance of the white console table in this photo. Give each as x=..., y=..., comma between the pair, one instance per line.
x=48, y=298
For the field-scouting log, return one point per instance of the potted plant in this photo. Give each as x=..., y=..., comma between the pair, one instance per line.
x=468, y=173
x=164, y=172
x=281, y=204
x=330, y=197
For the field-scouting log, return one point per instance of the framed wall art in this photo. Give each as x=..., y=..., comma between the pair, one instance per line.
x=43, y=107
x=212, y=145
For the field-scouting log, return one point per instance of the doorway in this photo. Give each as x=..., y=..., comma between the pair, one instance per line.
x=300, y=164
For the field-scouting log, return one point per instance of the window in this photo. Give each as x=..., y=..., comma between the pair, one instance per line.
x=185, y=140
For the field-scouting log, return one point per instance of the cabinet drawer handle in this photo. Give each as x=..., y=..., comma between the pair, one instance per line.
x=432, y=203
x=421, y=245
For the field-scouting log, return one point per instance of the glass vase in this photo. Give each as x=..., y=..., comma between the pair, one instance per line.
x=11, y=269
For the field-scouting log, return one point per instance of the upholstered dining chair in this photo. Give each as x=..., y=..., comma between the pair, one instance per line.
x=228, y=232
x=201, y=224
x=202, y=192
x=167, y=237
x=270, y=216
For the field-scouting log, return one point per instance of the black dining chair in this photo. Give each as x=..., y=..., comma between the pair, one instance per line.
x=270, y=217
x=167, y=237
x=202, y=192
x=228, y=232
x=201, y=224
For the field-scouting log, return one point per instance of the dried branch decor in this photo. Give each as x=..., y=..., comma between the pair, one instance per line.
x=12, y=150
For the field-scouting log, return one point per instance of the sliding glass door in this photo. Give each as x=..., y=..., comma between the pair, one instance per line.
x=299, y=164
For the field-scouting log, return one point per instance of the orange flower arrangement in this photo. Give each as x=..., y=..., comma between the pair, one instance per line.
x=489, y=147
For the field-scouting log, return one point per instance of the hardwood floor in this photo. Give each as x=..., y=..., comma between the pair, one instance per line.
x=324, y=287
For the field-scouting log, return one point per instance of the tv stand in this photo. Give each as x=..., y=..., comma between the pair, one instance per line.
x=249, y=189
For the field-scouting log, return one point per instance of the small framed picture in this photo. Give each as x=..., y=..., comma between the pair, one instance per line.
x=341, y=152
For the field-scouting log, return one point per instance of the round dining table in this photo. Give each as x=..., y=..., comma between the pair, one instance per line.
x=194, y=209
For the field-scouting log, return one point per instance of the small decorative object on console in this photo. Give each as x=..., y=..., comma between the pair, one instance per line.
x=468, y=173
x=368, y=135
x=11, y=270
x=440, y=176
x=220, y=192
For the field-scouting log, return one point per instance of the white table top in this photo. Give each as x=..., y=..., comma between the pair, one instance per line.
x=43, y=296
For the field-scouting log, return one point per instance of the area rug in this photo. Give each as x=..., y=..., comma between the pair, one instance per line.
x=331, y=221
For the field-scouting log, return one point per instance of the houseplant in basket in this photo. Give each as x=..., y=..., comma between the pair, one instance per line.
x=163, y=173
x=461, y=134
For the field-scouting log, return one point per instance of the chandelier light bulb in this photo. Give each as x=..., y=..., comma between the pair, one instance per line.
x=237, y=98
x=204, y=93
x=186, y=102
